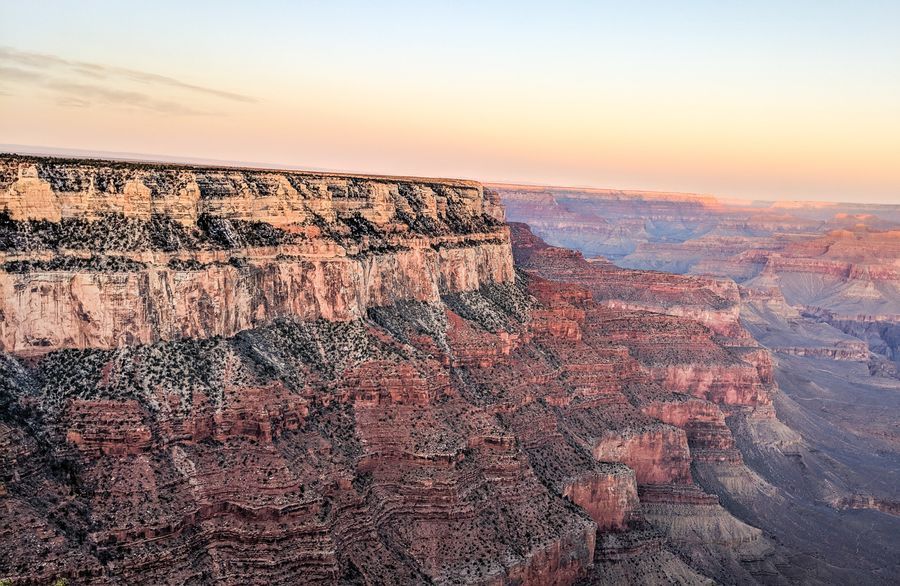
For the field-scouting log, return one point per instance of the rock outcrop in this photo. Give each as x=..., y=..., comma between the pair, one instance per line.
x=818, y=294
x=100, y=254
x=836, y=264
x=269, y=377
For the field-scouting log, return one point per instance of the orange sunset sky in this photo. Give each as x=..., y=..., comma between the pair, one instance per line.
x=768, y=100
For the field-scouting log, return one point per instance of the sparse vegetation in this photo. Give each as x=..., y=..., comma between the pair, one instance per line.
x=106, y=264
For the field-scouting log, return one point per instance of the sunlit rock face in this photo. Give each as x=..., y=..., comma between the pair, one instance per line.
x=100, y=254
x=362, y=389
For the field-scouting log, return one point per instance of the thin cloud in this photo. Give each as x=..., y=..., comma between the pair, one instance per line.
x=72, y=102
x=80, y=94
x=16, y=74
x=79, y=83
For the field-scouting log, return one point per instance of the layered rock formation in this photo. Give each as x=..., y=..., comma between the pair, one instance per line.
x=836, y=264
x=100, y=254
x=349, y=383
x=816, y=290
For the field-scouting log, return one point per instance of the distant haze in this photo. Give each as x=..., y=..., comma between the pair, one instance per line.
x=762, y=100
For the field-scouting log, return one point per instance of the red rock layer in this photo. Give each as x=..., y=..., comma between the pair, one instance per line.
x=492, y=436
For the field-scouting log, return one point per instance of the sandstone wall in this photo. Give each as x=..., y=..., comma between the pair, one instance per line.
x=37, y=188
x=332, y=246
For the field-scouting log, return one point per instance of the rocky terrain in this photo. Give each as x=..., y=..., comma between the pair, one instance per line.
x=252, y=376
x=108, y=254
x=816, y=278
x=817, y=286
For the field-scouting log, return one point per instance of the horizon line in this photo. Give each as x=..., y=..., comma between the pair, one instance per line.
x=132, y=157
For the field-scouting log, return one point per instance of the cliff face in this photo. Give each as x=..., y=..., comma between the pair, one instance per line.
x=101, y=254
x=364, y=396
x=55, y=189
x=836, y=264
x=818, y=295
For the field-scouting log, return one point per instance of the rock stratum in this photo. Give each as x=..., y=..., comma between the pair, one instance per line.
x=100, y=254
x=252, y=376
x=814, y=284
x=837, y=264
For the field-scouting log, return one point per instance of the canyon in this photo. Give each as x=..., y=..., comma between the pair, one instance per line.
x=831, y=269
x=227, y=375
x=816, y=286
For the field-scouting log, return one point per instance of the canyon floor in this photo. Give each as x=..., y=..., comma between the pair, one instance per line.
x=250, y=376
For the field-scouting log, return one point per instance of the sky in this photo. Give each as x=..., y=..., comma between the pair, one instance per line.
x=763, y=99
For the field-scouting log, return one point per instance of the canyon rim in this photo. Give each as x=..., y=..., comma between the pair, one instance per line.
x=227, y=375
x=579, y=293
